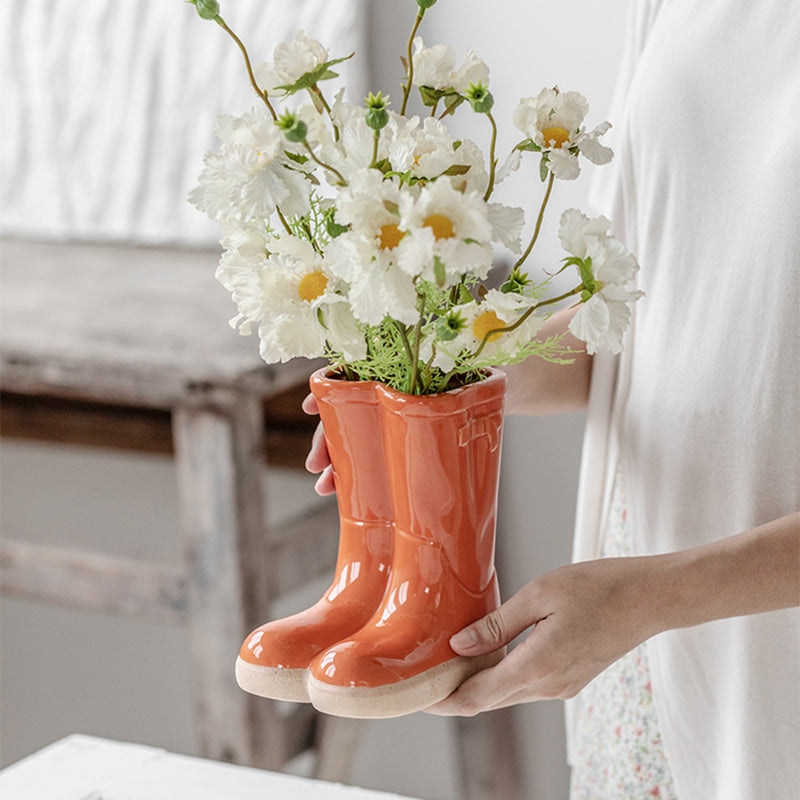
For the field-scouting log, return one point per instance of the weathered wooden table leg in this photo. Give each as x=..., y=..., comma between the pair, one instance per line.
x=219, y=461
x=338, y=740
x=488, y=757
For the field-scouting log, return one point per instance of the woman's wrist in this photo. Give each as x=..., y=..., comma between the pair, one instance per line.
x=748, y=573
x=538, y=387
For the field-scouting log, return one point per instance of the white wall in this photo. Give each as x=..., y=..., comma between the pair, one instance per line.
x=64, y=671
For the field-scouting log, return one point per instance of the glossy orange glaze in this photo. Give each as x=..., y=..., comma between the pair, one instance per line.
x=443, y=462
x=351, y=417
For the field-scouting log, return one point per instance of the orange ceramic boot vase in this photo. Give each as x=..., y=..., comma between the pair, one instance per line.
x=274, y=659
x=443, y=464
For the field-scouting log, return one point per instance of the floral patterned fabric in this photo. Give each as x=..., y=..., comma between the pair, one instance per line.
x=619, y=752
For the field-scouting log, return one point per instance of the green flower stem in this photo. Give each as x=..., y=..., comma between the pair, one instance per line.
x=401, y=329
x=538, y=227
x=415, y=351
x=260, y=92
x=376, y=138
x=528, y=312
x=492, y=157
x=410, y=61
x=339, y=176
x=283, y=221
x=316, y=92
x=447, y=111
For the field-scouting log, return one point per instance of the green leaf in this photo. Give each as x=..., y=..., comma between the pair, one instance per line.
x=528, y=145
x=298, y=158
x=543, y=167
x=392, y=207
x=452, y=101
x=430, y=96
x=334, y=229
x=456, y=169
x=439, y=271
x=321, y=73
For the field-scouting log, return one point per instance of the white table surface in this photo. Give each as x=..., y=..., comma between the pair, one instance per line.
x=87, y=768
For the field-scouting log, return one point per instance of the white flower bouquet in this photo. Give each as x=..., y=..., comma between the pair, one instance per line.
x=367, y=236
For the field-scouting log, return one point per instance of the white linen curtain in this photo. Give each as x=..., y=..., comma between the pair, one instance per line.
x=109, y=107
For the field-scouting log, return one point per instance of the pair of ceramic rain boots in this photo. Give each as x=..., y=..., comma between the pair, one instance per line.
x=416, y=481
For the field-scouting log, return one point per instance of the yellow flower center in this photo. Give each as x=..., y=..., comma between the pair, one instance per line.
x=312, y=285
x=390, y=236
x=441, y=226
x=488, y=321
x=555, y=137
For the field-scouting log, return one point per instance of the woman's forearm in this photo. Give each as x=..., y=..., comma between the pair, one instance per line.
x=538, y=387
x=751, y=572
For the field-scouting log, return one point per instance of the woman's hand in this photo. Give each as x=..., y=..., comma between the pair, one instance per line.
x=318, y=460
x=583, y=618
x=587, y=615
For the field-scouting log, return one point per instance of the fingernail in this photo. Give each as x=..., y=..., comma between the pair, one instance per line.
x=464, y=640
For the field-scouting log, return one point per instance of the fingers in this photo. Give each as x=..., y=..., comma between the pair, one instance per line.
x=325, y=484
x=489, y=689
x=310, y=404
x=318, y=459
x=495, y=629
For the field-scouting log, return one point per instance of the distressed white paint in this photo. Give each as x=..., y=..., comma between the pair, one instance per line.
x=109, y=106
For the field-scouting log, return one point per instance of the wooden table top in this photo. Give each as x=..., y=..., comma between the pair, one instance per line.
x=124, y=324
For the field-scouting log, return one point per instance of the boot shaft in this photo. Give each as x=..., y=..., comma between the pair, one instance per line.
x=351, y=418
x=443, y=466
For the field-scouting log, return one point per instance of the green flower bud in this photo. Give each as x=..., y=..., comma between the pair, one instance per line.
x=377, y=115
x=450, y=326
x=516, y=282
x=480, y=98
x=207, y=9
x=293, y=128
x=426, y=4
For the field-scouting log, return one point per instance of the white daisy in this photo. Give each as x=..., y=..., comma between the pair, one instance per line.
x=250, y=176
x=429, y=150
x=507, y=223
x=586, y=238
x=354, y=149
x=448, y=234
x=435, y=67
x=343, y=332
x=285, y=290
x=366, y=257
x=608, y=268
x=496, y=310
x=472, y=72
x=602, y=320
x=553, y=120
x=291, y=60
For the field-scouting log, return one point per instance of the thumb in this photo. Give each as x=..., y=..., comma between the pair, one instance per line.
x=495, y=630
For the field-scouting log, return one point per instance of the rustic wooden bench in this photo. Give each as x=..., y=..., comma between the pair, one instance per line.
x=127, y=347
